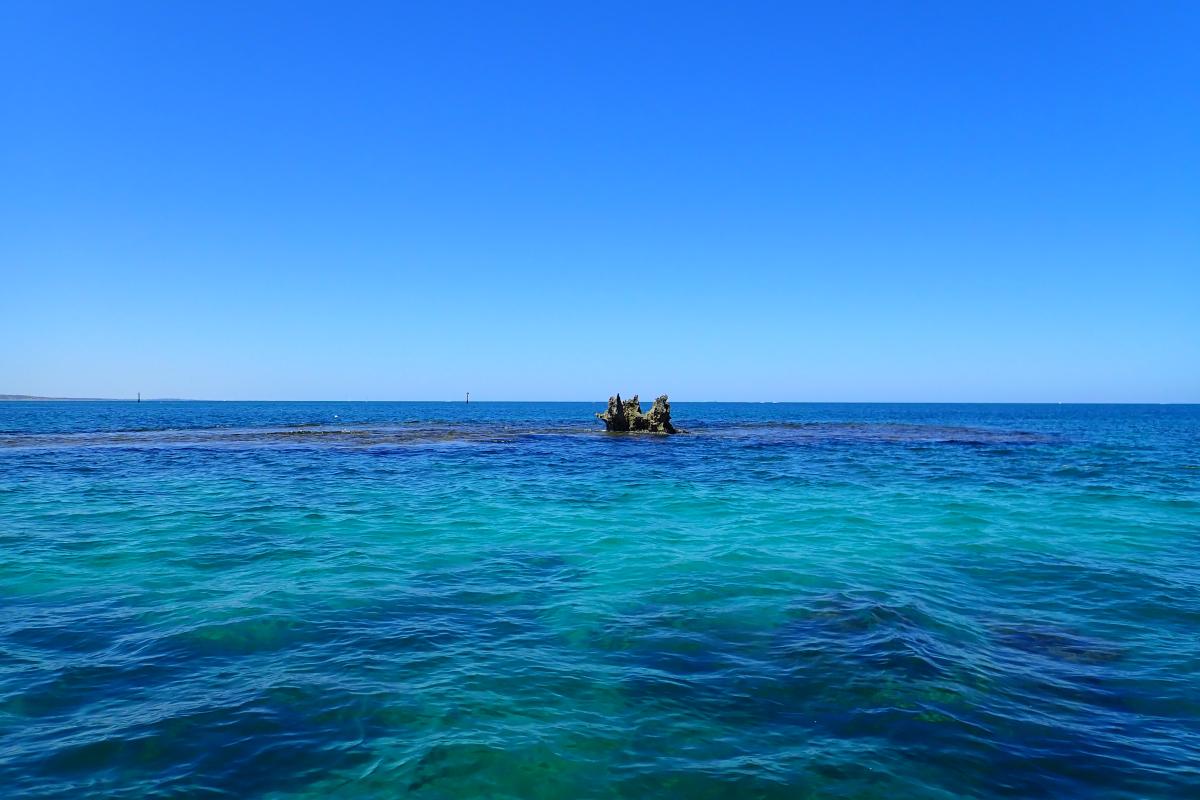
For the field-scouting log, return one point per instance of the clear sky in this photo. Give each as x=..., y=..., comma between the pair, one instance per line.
x=900, y=201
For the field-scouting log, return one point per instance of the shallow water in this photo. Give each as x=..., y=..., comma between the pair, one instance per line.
x=288, y=600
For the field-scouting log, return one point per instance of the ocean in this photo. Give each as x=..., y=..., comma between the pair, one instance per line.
x=499, y=600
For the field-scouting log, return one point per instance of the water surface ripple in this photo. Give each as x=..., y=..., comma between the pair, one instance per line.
x=287, y=600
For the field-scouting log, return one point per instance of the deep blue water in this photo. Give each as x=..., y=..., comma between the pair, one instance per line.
x=434, y=600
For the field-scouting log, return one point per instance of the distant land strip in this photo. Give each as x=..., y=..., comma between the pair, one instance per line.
x=35, y=397
x=4, y=397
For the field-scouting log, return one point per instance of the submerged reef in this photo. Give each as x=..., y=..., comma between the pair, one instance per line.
x=624, y=416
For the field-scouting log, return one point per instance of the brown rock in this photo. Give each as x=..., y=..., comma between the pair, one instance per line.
x=627, y=415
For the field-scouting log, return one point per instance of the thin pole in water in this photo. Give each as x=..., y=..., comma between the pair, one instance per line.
x=139, y=397
x=468, y=397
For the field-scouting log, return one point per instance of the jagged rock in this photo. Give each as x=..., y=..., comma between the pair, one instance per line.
x=627, y=415
x=615, y=418
x=660, y=415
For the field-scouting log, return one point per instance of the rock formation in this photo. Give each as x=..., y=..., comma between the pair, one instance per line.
x=627, y=415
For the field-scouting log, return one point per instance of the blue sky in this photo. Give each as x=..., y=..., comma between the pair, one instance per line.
x=738, y=201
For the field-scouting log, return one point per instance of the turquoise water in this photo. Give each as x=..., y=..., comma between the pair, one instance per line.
x=286, y=600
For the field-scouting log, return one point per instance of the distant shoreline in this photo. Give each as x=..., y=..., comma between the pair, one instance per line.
x=31, y=398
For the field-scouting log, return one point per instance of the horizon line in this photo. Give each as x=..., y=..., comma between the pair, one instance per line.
x=19, y=398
